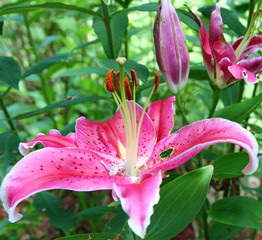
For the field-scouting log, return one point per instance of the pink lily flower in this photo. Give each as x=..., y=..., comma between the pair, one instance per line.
x=226, y=63
x=122, y=154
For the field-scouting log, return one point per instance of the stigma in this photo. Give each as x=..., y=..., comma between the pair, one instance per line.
x=124, y=95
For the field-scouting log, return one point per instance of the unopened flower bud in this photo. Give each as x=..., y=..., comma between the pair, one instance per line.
x=171, y=50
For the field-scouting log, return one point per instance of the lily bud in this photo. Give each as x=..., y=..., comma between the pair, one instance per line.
x=171, y=50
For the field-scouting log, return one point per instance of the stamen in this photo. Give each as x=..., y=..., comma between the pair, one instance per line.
x=117, y=81
x=109, y=81
x=134, y=78
x=156, y=80
x=128, y=89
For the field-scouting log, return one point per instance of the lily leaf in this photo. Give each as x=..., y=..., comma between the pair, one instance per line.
x=95, y=236
x=60, y=104
x=119, y=25
x=180, y=201
x=8, y=9
x=230, y=165
x=45, y=63
x=239, y=111
x=10, y=72
x=238, y=211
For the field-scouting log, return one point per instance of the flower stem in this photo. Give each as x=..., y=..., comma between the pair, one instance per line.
x=7, y=116
x=109, y=33
x=240, y=91
x=216, y=96
x=180, y=108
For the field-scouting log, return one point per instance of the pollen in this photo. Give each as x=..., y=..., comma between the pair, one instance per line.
x=156, y=80
x=109, y=81
x=134, y=78
x=128, y=89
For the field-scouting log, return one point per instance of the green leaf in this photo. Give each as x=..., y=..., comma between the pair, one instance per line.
x=10, y=72
x=118, y=25
x=116, y=223
x=187, y=18
x=230, y=165
x=239, y=111
x=94, y=212
x=141, y=71
x=238, y=211
x=198, y=73
x=148, y=7
x=81, y=71
x=46, y=63
x=229, y=18
x=106, y=1
x=94, y=236
x=59, y=218
x=220, y=231
x=60, y=104
x=7, y=9
x=254, y=191
x=180, y=201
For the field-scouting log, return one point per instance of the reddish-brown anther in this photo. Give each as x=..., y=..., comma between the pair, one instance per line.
x=156, y=80
x=129, y=95
x=109, y=81
x=134, y=78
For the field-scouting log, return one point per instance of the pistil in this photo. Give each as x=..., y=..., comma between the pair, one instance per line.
x=128, y=112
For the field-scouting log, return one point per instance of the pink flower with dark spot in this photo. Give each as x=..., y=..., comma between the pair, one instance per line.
x=130, y=161
x=227, y=63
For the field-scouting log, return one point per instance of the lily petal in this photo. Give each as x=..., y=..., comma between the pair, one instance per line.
x=219, y=46
x=193, y=138
x=137, y=201
x=108, y=137
x=252, y=64
x=53, y=139
x=55, y=168
x=161, y=113
x=254, y=45
x=206, y=49
x=241, y=73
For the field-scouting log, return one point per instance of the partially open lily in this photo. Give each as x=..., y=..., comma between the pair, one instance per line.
x=123, y=154
x=226, y=63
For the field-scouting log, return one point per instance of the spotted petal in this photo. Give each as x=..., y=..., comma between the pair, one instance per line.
x=55, y=168
x=53, y=139
x=161, y=113
x=137, y=201
x=109, y=136
x=193, y=138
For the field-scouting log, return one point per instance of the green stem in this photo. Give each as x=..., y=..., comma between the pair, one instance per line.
x=240, y=90
x=216, y=96
x=203, y=210
x=180, y=108
x=205, y=223
x=7, y=116
x=109, y=33
x=252, y=4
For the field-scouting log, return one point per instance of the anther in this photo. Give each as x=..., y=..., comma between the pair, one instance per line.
x=156, y=80
x=109, y=81
x=117, y=81
x=134, y=78
x=128, y=89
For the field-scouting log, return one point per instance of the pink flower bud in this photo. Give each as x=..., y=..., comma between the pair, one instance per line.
x=171, y=50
